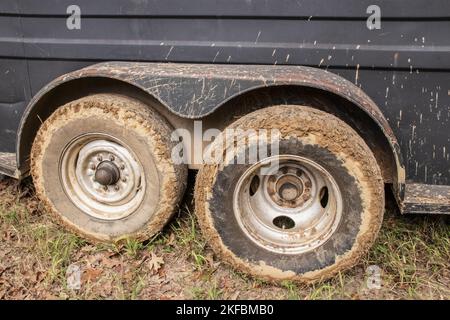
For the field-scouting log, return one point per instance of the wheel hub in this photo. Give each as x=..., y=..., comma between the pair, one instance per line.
x=102, y=177
x=107, y=173
x=289, y=192
x=295, y=207
x=289, y=187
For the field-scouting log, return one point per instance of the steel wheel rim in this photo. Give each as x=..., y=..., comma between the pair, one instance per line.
x=293, y=208
x=79, y=168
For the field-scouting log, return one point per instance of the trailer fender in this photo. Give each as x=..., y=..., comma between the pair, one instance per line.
x=196, y=90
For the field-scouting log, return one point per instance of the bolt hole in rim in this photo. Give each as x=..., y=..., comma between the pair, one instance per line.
x=293, y=208
x=102, y=177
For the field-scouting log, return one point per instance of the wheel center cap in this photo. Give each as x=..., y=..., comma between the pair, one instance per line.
x=289, y=187
x=107, y=173
x=288, y=191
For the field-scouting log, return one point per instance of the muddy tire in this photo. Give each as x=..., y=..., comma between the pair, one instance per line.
x=302, y=213
x=102, y=167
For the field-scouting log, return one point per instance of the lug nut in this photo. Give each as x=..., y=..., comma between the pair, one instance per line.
x=116, y=188
x=105, y=188
x=99, y=157
x=122, y=167
x=112, y=158
x=124, y=179
x=92, y=166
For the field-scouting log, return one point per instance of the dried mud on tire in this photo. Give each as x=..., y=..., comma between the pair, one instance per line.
x=131, y=115
x=319, y=128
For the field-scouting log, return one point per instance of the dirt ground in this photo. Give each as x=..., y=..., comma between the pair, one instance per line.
x=412, y=254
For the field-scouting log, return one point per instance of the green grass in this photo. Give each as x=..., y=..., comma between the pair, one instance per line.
x=136, y=287
x=214, y=292
x=210, y=291
x=13, y=214
x=413, y=253
x=187, y=235
x=197, y=293
x=46, y=243
x=132, y=247
x=322, y=291
x=291, y=290
x=60, y=249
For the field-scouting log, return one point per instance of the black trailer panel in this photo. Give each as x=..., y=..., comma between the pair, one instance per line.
x=404, y=67
x=231, y=8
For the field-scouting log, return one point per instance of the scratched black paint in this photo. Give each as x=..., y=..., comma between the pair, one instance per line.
x=404, y=67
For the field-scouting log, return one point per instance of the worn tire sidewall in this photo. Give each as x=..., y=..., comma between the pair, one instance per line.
x=93, y=114
x=310, y=133
x=234, y=238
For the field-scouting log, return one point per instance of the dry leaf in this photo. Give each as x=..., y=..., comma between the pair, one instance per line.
x=155, y=262
x=110, y=263
x=91, y=274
